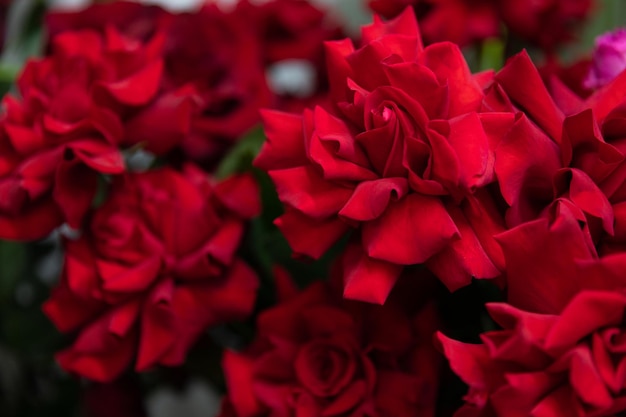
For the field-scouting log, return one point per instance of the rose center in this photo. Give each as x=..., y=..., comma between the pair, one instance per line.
x=326, y=367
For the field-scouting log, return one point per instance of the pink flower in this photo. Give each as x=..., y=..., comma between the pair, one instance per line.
x=609, y=59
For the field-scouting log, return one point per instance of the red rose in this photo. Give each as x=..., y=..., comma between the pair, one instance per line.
x=316, y=356
x=67, y=126
x=458, y=21
x=219, y=54
x=155, y=268
x=212, y=58
x=563, y=178
x=402, y=158
x=567, y=364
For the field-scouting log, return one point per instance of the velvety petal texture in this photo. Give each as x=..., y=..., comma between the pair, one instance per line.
x=396, y=157
x=155, y=268
x=318, y=355
x=570, y=363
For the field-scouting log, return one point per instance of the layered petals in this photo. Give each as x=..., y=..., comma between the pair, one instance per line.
x=394, y=155
x=337, y=356
x=546, y=363
x=155, y=269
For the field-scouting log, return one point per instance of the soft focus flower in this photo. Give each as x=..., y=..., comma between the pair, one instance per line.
x=567, y=364
x=315, y=355
x=566, y=82
x=156, y=267
x=609, y=59
x=289, y=29
x=402, y=157
x=545, y=23
x=219, y=55
x=211, y=58
x=217, y=59
x=68, y=125
x=458, y=21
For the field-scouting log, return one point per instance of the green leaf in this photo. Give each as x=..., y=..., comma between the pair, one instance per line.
x=240, y=158
x=492, y=54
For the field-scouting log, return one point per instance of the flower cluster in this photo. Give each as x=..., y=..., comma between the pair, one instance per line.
x=478, y=217
x=152, y=259
x=317, y=355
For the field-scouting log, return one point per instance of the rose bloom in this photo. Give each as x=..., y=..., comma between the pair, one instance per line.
x=219, y=55
x=217, y=58
x=155, y=268
x=566, y=364
x=75, y=109
x=402, y=158
x=317, y=355
x=211, y=58
x=560, y=168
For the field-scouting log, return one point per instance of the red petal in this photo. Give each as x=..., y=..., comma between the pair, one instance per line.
x=411, y=231
x=239, y=375
x=158, y=332
x=304, y=189
x=463, y=259
x=367, y=279
x=447, y=62
x=308, y=236
x=139, y=88
x=284, y=147
x=241, y=194
x=371, y=198
x=542, y=273
x=35, y=222
x=522, y=82
x=74, y=191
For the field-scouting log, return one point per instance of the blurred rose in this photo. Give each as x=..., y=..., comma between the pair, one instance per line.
x=156, y=267
x=316, y=355
x=609, y=59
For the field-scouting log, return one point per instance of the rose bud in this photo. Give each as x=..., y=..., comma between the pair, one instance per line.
x=609, y=59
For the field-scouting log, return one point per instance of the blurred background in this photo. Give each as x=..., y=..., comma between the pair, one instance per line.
x=31, y=384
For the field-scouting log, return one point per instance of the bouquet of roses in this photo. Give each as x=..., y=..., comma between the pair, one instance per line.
x=419, y=228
